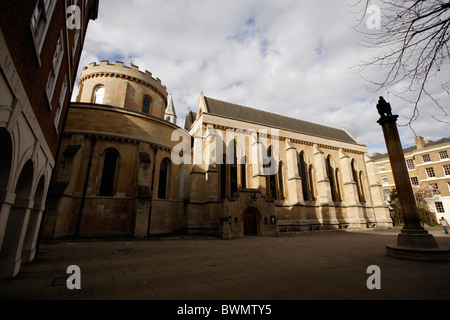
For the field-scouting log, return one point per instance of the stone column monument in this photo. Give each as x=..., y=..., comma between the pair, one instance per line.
x=414, y=242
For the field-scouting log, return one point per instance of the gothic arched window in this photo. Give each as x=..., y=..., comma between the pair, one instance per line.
x=146, y=105
x=99, y=95
x=233, y=170
x=330, y=173
x=304, y=177
x=356, y=180
x=311, y=182
x=163, y=178
x=244, y=173
x=280, y=181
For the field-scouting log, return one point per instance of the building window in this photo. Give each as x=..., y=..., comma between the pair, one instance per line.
x=355, y=179
x=109, y=172
x=330, y=173
x=163, y=178
x=443, y=154
x=304, y=177
x=146, y=105
x=338, y=187
x=426, y=158
x=54, y=71
x=439, y=207
x=384, y=180
x=76, y=39
x=99, y=95
x=430, y=172
x=434, y=188
x=223, y=178
x=244, y=173
x=410, y=164
x=280, y=180
x=414, y=181
x=361, y=183
x=311, y=183
x=62, y=97
x=387, y=195
x=270, y=170
x=233, y=170
x=40, y=20
x=446, y=169
x=382, y=167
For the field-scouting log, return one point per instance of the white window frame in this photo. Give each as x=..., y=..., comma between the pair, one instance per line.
x=439, y=207
x=410, y=164
x=430, y=170
x=446, y=169
x=62, y=98
x=39, y=24
x=443, y=154
x=56, y=66
x=415, y=181
x=426, y=158
x=384, y=180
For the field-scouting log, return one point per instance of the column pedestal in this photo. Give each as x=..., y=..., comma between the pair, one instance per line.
x=414, y=242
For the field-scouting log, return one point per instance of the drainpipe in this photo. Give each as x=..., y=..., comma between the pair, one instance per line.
x=155, y=150
x=83, y=198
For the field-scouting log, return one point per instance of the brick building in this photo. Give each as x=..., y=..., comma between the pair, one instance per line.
x=40, y=48
x=428, y=165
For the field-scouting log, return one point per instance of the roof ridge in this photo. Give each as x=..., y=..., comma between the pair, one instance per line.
x=276, y=114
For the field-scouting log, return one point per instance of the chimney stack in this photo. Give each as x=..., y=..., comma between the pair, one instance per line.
x=420, y=142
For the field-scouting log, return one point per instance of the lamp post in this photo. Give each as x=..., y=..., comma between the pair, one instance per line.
x=414, y=242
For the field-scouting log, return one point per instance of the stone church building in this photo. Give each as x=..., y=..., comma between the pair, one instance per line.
x=126, y=169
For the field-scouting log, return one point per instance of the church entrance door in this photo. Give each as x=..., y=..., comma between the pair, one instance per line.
x=250, y=222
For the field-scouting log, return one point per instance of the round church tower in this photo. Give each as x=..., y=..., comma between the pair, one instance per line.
x=114, y=174
x=124, y=87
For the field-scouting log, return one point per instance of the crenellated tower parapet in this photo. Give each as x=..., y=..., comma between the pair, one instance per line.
x=122, y=86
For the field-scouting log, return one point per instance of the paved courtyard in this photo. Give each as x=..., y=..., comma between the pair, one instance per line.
x=305, y=266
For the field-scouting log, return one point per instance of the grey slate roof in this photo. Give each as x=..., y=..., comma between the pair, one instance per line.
x=234, y=111
x=413, y=148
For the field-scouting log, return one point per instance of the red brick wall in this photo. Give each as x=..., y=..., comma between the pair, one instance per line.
x=15, y=17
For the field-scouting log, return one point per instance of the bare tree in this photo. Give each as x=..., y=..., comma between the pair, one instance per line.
x=413, y=38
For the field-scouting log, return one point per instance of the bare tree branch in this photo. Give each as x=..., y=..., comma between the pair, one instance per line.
x=413, y=37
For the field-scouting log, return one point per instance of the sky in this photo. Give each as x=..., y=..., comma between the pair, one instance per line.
x=292, y=57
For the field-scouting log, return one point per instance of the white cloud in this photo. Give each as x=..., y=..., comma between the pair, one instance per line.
x=287, y=56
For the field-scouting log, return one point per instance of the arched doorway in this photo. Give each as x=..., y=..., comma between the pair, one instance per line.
x=251, y=219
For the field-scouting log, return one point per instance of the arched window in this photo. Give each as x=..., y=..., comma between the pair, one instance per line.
x=355, y=179
x=330, y=173
x=163, y=178
x=280, y=181
x=363, y=196
x=304, y=177
x=146, y=105
x=99, y=95
x=338, y=187
x=311, y=182
x=109, y=172
x=243, y=166
x=223, y=178
x=233, y=169
x=272, y=186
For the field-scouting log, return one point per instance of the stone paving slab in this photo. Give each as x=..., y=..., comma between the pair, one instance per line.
x=304, y=266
